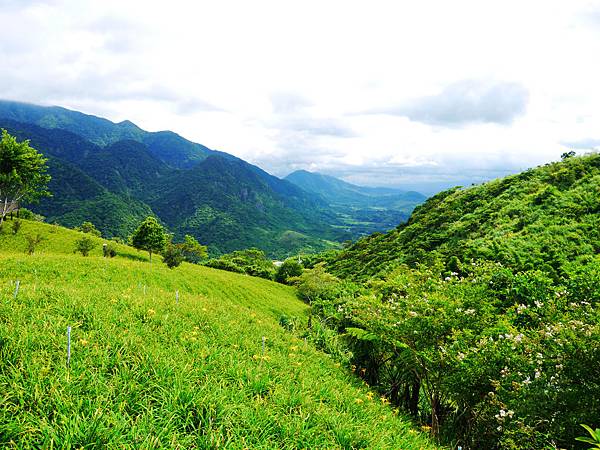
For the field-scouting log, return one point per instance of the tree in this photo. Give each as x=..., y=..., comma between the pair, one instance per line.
x=84, y=245
x=90, y=228
x=192, y=250
x=567, y=155
x=173, y=255
x=290, y=268
x=149, y=236
x=23, y=174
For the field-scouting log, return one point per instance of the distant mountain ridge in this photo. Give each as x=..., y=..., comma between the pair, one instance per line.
x=225, y=202
x=167, y=146
x=362, y=210
x=339, y=191
x=115, y=174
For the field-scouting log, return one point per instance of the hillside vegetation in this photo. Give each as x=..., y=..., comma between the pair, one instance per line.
x=481, y=316
x=150, y=368
x=539, y=219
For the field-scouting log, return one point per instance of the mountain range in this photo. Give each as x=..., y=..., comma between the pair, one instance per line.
x=115, y=174
x=361, y=210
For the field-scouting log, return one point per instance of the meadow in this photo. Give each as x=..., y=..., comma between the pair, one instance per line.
x=153, y=369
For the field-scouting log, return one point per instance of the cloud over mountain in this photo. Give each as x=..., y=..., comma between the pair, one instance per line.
x=466, y=102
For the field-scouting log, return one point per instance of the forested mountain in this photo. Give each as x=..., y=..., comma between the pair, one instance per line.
x=361, y=210
x=539, y=219
x=223, y=201
x=167, y=146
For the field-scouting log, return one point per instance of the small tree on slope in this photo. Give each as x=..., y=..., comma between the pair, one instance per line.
x=23, y=174
x=150, y=236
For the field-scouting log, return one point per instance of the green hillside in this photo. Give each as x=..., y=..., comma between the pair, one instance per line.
x=150, y=371
x=539, y=219
x=480, y=317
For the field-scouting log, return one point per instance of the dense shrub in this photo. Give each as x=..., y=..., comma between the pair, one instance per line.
x=32, y=242
x=84, y=245
x=172, y=256
x=90, y=228
x=251, y=262
x=290, y=268
x=493, y=360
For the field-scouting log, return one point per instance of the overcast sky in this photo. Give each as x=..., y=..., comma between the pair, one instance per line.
x=379, y=93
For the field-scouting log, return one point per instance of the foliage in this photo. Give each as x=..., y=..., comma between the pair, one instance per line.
x=23, y=176
x=89, y=227
x=594, y=439
x=480, y=316
x=32, y=241
x=191, y=250
x=288, y=269
x=150, y=236
x=497, y=359
x=316, y=284
x=250, y=262
x=147, y=372
x=172, y=256
x=84, y=245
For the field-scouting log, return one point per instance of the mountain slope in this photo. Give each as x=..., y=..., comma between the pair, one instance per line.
x=340, y=192
x=147, y=371
x=234, y=204
x=224, y=202
x=549, y=214
x=360, y=210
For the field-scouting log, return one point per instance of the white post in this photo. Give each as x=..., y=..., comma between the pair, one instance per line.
x=68, y=346
x=144, y=289
x=17, y=288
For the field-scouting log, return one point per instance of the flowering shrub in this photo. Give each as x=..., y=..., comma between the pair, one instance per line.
x=493, y=359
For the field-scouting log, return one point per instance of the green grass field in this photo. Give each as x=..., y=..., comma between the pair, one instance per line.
x=147, y=371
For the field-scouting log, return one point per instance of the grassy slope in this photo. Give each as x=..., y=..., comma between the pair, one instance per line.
x=147, y=372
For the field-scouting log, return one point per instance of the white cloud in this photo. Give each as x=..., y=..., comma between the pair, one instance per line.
x=279, y=83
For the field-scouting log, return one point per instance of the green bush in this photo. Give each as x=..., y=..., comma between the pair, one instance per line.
x=90, y=228
x=172, y=256
x=289, y=269
x=84, y=245
x=251, y=262
x=109, y=250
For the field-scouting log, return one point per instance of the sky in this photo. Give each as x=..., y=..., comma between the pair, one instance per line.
x=381, y=93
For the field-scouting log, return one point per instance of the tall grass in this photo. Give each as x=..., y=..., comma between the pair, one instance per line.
x=147, y=372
